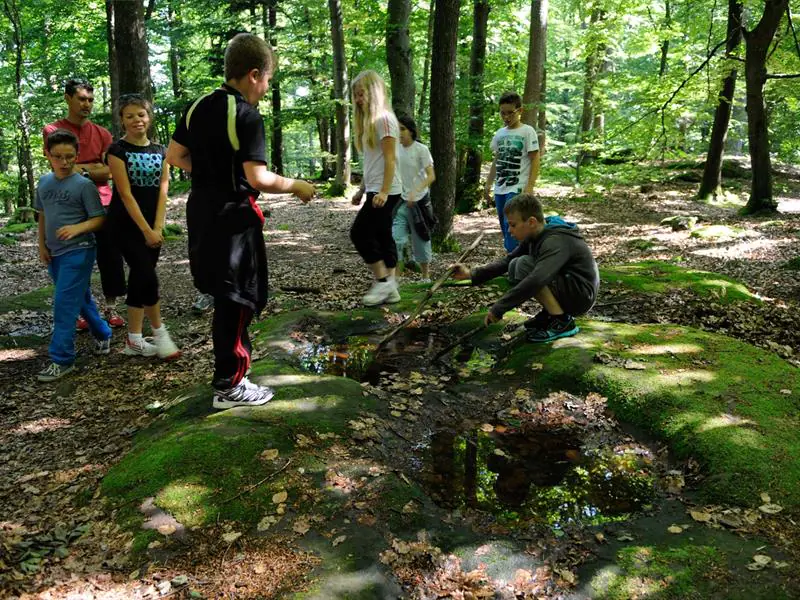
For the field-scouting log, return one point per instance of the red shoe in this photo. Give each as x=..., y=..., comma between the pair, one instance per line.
x=81, y=325
x=114, y=320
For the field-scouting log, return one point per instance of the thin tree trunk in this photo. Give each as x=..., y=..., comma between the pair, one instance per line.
x=712, y=172
x=590, y=79
x=399, y=57
x=443, y=141
x=175, y=53
x=26, y=182
x=537, y=46
x=474, y=157
x=113, y=72
x=662, y=69
x=757, y=43
x=276, y=154
x=542, y=122
x=423, y=97
x=342, y=179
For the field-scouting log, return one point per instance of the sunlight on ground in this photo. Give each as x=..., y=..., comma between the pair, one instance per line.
x=723, y=420
x=40, y=425
x=788, y=205
x=745, y=249
x=667, y=349
x=17, y=354
x=687, y=377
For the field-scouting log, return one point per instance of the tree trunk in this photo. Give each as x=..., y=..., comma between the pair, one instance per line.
x=757, y=44
x=113, y=72
x=130, y=42
x=276, y=151
x=175, y=52
x=342, y=179
x=593, y=57
x=423, y=97
x=443, y=140
x=537, y=47
x=477, y=61
x=712, y=172
x=323, y=132
x=26, y=184
x=662, y=69
x=542, y=122
x=399, y=57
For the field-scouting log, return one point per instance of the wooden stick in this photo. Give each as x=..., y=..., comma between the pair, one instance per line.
x=459, y=340
x=430, y=293
x=255, y=485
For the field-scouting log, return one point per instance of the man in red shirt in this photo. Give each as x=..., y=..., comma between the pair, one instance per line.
x=93, y=141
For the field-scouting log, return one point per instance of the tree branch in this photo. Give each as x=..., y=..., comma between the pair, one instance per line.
x=791, y=26
x=784, y=76
x=149, y=12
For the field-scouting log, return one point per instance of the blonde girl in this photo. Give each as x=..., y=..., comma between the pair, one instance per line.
x=137, y=212
x=377, y=136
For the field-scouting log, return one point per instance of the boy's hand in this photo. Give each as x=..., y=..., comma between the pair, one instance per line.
x=356, y=199
x=379, y=199
x=303, y=190
x=491, y=318
x=460, y=272
x=44, y=254
x=153, y=239
x=67, y=232
x=411, y=200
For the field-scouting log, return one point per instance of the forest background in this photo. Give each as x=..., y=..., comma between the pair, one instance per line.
x=611, y=80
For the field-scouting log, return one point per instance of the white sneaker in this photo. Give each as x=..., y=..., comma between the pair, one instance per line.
x=165, y=347
x=246, y=393
x=143, y=348
x=382, y=292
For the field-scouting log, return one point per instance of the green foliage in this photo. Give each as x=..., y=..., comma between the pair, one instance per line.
x=179, y=186
x=793, y=264
x=172, y=229
x=448, y=244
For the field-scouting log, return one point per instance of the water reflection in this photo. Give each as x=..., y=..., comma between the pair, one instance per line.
x=537, y=476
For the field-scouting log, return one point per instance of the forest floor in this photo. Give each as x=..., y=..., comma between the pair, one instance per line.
x=61, y=535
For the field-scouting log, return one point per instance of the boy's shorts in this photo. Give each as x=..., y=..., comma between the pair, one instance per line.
x=572, y=294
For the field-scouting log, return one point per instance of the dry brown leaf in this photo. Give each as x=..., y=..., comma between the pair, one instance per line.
x=280, y=497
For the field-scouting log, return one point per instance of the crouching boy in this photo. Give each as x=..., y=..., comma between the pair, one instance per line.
x=552, y=264
x=69, y=211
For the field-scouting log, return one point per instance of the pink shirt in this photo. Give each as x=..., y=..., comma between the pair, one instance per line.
x=93, y=142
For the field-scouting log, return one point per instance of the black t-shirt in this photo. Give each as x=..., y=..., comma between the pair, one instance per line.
x=144, y=165
x=227, y=255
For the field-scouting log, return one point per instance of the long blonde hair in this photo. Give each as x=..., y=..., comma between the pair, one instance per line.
x=377, y=107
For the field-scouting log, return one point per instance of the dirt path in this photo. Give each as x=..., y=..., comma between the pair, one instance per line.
x=59, y=440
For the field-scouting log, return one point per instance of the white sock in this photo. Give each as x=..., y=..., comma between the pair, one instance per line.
x=159, y=331
x=135, y=339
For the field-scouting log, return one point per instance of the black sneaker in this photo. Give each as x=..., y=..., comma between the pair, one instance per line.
x=246, y=393
x=556, y=328
x=537, y=322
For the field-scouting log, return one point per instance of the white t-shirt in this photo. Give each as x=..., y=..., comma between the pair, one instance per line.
x=373, y=157
x=511, y=147
x=414, y=159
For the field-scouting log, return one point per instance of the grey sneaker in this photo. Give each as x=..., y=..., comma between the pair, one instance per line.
x=204, y=303
x=102, y=346
x=54, y=371
x=246, y=393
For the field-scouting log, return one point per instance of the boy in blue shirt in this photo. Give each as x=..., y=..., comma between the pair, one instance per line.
x=69, y=211
x=515, y=166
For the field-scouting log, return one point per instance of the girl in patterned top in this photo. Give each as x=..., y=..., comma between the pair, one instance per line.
x=137, y=213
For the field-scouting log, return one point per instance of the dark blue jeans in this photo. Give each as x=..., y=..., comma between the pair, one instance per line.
x=499, y=202
x=71, y=273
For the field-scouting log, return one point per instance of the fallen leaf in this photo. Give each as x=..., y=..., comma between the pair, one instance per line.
x=339, y=540
x=786, y=392
x=231, y=536
x=486, y=427
x=280, y=497
x=301, y=526
x=567, y=576
x=600, y=537
x=698, y=515
x=537, y=366
x=166, y=529
x=624, y=537
x=675, y=529
x=270, y=454
x=770, y=509
x=762, y=559
x=765, y=498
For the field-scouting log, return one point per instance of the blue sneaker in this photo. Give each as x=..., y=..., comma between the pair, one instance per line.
x=556, y=328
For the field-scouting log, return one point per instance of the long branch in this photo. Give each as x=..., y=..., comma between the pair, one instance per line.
x=791, y=26
x=784, y=76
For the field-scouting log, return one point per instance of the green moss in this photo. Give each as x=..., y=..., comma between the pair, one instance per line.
x=36, y=300
x=18, y=228
x=660, y=277
x=717, y=232
x=640, y=244
x=709, y=396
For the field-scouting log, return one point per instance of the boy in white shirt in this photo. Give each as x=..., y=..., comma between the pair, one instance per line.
x=515, y=166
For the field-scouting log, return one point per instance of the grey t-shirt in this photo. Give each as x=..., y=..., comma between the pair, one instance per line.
x=67, y=201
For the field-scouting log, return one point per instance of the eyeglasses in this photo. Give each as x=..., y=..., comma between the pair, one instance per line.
x=64, y=157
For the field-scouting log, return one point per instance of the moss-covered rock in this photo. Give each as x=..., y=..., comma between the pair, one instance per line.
x=654, y=276
x=732, y=406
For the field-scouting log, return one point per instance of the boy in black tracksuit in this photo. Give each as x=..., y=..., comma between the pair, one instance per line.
x=220, y=140
x=552, y=264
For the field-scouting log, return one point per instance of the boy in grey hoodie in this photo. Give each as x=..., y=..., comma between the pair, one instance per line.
x=552, y=264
